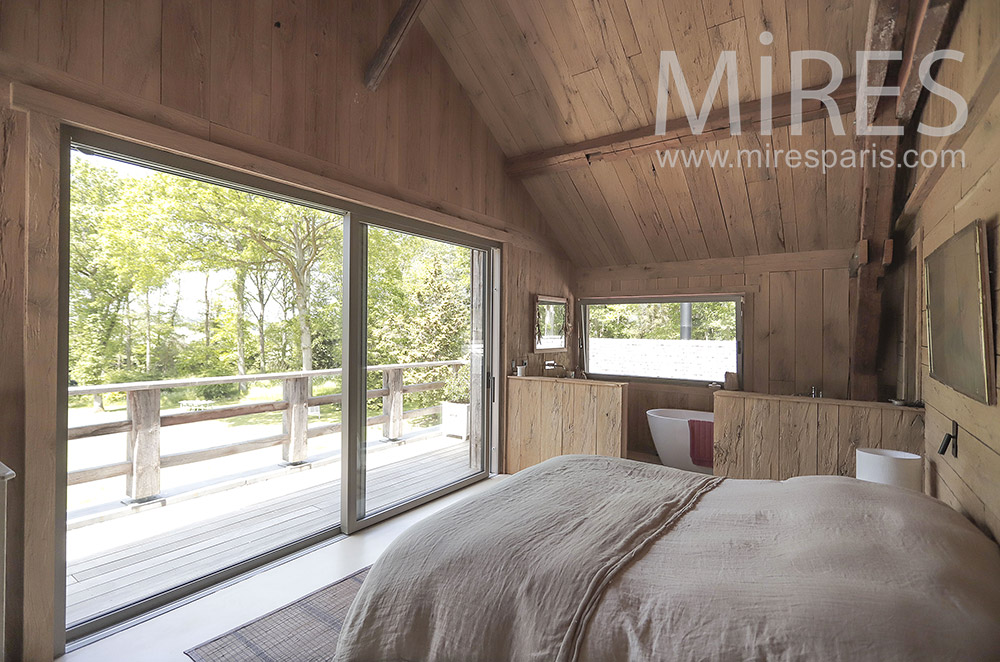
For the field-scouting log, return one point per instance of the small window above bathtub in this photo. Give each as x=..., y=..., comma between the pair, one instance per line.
x=689, y=340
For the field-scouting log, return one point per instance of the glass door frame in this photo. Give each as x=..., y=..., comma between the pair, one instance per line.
x=355, y=362
x=353, y=314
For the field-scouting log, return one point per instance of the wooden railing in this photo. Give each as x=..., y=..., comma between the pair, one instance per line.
x=144, y=461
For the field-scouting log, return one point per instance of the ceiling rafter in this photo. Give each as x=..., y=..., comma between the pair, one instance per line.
x=678, y=133
x=929, y=25
x=401, y=24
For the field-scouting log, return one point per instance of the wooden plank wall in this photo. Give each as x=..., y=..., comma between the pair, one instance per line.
x=13, y=133
x=526, y=274
x=971, y=482
x=795, y=303
x=274, y=86
x=765, y=436
x=282, y=79
x=550, y=417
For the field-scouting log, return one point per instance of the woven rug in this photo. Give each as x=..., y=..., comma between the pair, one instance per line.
x=303, y=631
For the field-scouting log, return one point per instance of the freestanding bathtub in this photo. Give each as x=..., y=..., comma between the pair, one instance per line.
x=672, y=436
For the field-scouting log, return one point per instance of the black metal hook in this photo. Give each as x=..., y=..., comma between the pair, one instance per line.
x=950, y=439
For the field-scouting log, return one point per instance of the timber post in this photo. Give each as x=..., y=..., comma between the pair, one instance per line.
x=143, y=450
x=392, y=403
x=295, y=420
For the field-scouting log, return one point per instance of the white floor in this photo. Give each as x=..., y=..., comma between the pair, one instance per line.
x=167, y=636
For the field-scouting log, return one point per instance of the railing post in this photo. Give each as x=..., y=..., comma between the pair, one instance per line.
x=143, y=479
x=295, y=420
x=392, y=404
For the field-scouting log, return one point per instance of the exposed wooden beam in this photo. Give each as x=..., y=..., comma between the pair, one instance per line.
x=825, y=259
x=678, y=134
x=886, y=26
x=405, y=18
x=876, y=226
x=925, y=33
x=885, y=18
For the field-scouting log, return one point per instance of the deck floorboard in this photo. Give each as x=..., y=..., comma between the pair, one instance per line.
x=122, y=575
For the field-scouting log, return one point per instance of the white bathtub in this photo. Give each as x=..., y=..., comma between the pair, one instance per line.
x=672, y=437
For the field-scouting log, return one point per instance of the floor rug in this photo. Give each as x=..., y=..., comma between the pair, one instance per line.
x=303, y=631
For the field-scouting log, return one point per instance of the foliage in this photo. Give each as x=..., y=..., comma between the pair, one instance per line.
x=172, y=277
x=710, y=320
x=459, y=382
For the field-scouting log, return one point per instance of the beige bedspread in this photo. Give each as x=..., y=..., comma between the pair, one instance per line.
x=599, y=560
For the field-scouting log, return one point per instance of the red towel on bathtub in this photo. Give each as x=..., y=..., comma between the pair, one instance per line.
x=702, y=442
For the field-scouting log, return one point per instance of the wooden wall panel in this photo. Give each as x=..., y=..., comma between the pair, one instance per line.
x=232, y=64
x=809, y=323
x=798, y=437
x=132, y=34
x=186, y=55
x=13, y=133
x=760, y=439
x=729, y=441
x=74, y=37
x=547, y=417
x=552, y=402
x=42, y=383
x=584, y=413
x=610, y=410
x=19, y=28
x=781, y=332
x=954, y=198
x=526, y=274
x=859, y=428
x=827, y=439
x=781, y=436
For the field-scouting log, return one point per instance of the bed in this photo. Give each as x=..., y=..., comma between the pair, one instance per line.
x=599, y=559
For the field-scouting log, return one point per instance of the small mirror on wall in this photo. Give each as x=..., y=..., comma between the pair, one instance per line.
x=551, y=323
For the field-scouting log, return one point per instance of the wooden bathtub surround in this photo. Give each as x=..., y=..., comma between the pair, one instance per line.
x=547, y=417
x=768, y=436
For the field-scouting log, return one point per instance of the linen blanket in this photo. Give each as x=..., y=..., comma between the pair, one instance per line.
x=515, y=574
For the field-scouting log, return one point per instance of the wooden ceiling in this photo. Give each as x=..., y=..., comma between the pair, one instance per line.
x=549, y=74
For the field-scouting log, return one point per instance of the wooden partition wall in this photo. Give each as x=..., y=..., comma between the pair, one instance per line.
x=549, y=417
x=766, y=436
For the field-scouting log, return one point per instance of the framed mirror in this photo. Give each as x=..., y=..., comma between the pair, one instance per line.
x=551, y=324
x=959, y=315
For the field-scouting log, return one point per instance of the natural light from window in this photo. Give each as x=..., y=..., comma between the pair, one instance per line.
x=680, y=340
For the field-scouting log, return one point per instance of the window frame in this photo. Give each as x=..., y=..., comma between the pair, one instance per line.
x=584, y=317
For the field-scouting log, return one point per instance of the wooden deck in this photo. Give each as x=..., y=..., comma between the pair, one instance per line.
x=128, y=573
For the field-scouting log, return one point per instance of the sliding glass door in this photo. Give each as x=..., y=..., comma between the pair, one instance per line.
x=426, y=313
x=253, y=369
x=204, y=336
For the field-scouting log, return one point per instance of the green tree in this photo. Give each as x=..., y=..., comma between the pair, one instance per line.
x=98, y=294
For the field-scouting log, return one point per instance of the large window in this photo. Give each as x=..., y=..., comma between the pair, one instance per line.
x=253, y=369
x=690, y=339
